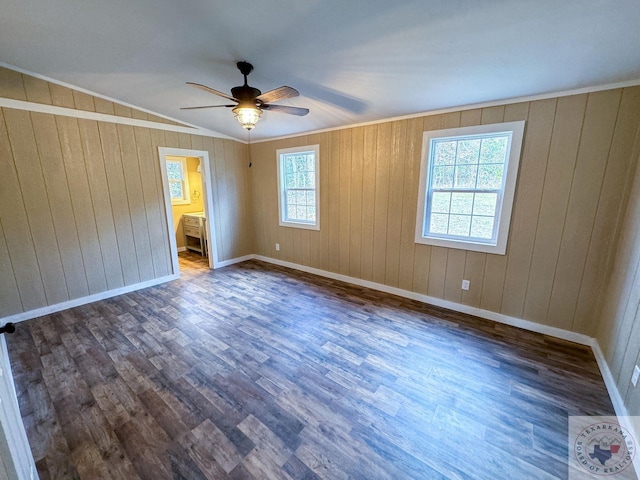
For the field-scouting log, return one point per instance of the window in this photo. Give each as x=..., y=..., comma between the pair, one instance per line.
x=298, y=200
x=178, y=180
x=467, y=184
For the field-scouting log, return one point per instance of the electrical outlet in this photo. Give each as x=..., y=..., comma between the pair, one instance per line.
x=277, y=247
x=636, y=374
x=465, y=284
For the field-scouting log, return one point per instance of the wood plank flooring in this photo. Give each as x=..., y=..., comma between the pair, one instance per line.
x=259, y=372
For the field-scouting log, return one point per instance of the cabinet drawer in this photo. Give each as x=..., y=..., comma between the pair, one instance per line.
x=191, y=221
x=192, y=231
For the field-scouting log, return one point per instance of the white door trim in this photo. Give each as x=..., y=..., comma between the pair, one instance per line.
x=16, y=459
x=207, y=191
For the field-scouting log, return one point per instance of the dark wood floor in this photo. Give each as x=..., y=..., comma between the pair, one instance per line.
x=259, y=372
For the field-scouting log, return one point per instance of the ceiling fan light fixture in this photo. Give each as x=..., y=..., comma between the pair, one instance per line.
x=247, y=116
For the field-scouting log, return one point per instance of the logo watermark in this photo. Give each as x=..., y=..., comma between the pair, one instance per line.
x=602, y=447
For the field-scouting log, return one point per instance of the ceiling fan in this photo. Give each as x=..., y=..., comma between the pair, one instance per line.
x=250, y=102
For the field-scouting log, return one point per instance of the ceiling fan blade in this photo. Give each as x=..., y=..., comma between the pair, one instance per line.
x=278, y=94
x=206, y=106
x=285, y=109
x=211, y=90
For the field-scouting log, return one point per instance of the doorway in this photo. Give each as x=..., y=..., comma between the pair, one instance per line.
x=186, y=181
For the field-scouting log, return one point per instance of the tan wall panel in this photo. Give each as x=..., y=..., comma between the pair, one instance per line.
x=36, y=204
x=620, y=162
x=533, y=163
x=135, y=196
x=17, y=234
x=11, y=84
x=586, y=188
x=57, y=188
x=80, y=194
x=344, y=194
x=9, y=294
x=101, y=201
x=119, y=202
x=562, y=156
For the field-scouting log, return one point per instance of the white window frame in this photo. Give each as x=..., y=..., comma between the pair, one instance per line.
x=282, y=191
x=504, y=206
x=186, y=198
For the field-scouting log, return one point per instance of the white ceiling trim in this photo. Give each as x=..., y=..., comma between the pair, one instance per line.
x=103, y=117
x=496, y=103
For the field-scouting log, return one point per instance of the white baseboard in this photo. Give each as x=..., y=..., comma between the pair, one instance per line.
x=226, y=263
x=439, y=302
x=76, y=302
x=182, y=249
x=616, y=399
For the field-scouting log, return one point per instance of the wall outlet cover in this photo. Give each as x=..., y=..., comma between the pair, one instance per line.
x=465, y=284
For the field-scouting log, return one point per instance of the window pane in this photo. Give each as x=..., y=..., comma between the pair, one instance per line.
x=490, y=176
x=290, y=180
x=291, y=196
x=485, y=204
x=175, y=189
x=311, y=214
x=482, y=227
x=288, y=164
x=468, y=151
x=174, y=170
x=445, y=153
x=311, y=162
x=311, y=198
x=459, y=225
x=462, y=203
x=442, y=177
x=494, y=150
x=466, y=176
x=440, y=202
x=439, y=223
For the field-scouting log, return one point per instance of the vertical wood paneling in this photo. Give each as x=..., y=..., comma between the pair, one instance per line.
x=597, y=132
x=119, y=202
x=153, y=201
x=411, y=173
x=76, y=173
x=368, y=200
x=535, y=152
x=323, y=234
x=394, y=209
x=18, y=236
x=356, y=189
x=9, y=295
x=381, y=202
x=344, y=193
x=620, y=161
x=137, y=210
x=11, y=84
x=57, y=189
x=60, y=96
x=333, y=189
x=37, y=90
x=36, y=204
x=101, y=201
x=553, y=208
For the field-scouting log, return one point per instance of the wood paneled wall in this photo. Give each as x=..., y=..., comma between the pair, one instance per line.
x=572, y=184
x=81, y=202
x=619, y=320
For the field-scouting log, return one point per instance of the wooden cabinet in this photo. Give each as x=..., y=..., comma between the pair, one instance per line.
x=195, y=232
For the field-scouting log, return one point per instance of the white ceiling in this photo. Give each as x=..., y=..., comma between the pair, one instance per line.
x=352, y=61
